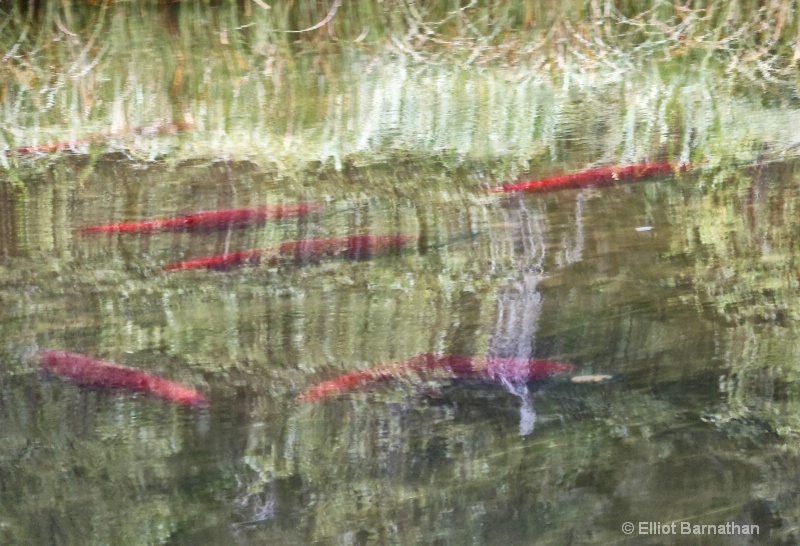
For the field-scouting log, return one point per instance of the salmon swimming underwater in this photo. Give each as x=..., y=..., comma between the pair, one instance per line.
x=602, y=176
x=512, y=370
x=354, y=247
x=89, y=372
x=212, y=220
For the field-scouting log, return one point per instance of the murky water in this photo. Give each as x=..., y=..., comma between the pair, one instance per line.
x=693, y=316
x=396, y=122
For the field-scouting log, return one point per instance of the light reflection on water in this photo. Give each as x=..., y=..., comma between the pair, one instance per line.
x=694, y=316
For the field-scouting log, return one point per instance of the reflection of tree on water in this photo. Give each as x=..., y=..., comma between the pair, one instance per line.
x=573, y=250
x=519, y=304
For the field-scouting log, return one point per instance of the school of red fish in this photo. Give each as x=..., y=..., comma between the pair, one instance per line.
x=89, y=372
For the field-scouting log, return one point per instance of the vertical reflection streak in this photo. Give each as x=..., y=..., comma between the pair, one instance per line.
x=519, y=306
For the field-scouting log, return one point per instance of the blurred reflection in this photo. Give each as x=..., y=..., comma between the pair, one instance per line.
x=519, y=305
x=8, y=221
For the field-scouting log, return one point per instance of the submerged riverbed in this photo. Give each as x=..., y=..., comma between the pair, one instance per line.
x=682, y=287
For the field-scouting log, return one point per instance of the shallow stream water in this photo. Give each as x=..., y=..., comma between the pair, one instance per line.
x=682, y=288
x=631, y=280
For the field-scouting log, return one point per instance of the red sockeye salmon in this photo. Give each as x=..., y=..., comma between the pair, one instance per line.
x=448, y=366
x=211, y=220
x=602, y=176
x=89, y=372
x=354, y=247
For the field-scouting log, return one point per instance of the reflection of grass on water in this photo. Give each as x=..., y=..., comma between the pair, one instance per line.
x=488, y=80
x=495, y=86
x=749, y=32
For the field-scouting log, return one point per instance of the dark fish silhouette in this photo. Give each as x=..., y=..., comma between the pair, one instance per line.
x=354, y=247
x=510, y=370
x=88, y=372
x=603, y=176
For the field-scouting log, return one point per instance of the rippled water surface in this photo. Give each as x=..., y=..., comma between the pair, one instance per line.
x=682, y=289
x=694, y=318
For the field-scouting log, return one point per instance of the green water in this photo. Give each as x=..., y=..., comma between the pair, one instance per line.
x=684, y=288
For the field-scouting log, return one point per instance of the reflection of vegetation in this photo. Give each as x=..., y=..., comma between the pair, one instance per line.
x=408, y=471
x=743, y=242
x=95, y=472
x=747, y=32
x=516, y=74
x=396, y=114
x=651, y=308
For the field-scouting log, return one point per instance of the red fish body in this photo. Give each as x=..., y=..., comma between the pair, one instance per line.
x=510, y=369
x=354, y=247
x=211, y=220
x=603, y=176
x=89, y=372
x=449, y=366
